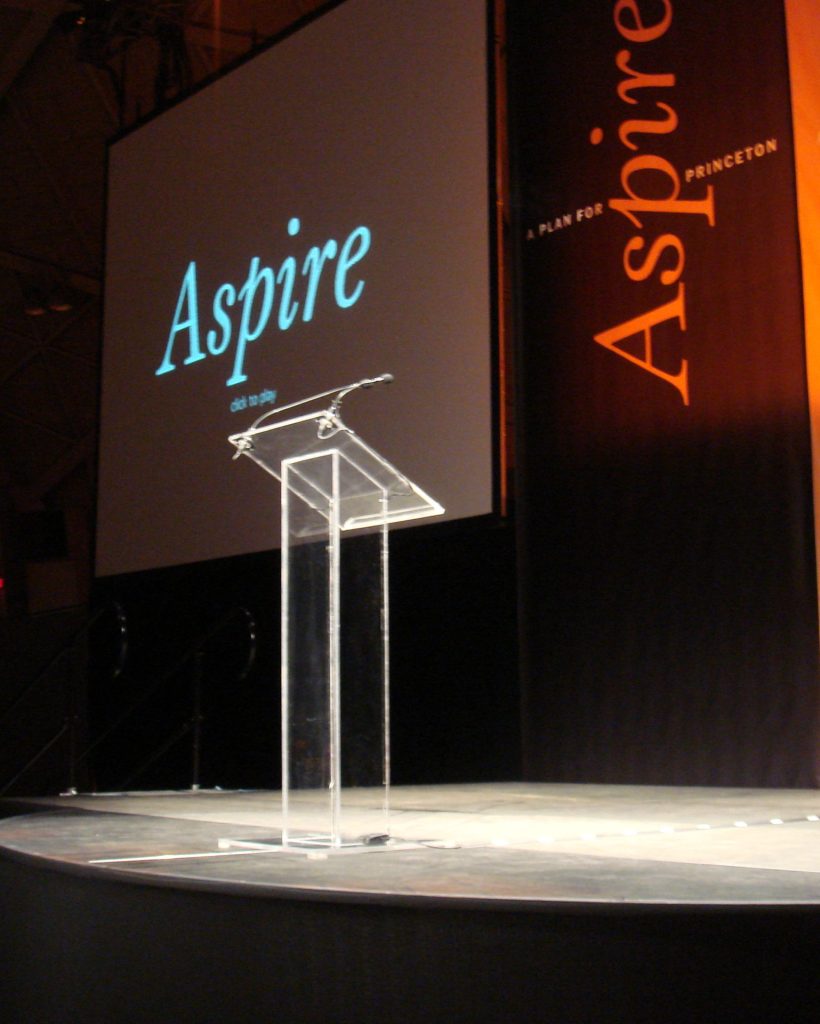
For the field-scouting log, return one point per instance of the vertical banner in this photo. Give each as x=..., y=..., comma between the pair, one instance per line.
x=670, y=597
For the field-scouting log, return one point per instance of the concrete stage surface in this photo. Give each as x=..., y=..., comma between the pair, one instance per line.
x=559, y=902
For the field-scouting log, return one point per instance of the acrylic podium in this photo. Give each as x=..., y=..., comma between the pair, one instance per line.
x=338, y=497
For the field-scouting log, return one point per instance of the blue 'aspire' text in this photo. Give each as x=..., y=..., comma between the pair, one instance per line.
x=255, y=298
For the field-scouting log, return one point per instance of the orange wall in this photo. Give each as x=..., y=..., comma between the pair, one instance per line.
x=803, y=25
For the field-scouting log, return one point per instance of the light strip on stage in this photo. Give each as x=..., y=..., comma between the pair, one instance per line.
x=176, y=856
x=498, y=842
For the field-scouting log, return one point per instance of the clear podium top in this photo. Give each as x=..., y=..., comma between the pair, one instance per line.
x=368, y=489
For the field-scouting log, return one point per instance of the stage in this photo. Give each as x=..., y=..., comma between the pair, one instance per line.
x=562, y=902
x=502, y=843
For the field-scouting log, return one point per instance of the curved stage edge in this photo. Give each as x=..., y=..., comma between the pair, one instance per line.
x=535, y=902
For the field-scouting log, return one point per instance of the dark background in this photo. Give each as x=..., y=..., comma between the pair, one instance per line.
x=454, y=673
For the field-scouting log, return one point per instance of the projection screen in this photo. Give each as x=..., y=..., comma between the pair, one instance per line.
x=319, y=215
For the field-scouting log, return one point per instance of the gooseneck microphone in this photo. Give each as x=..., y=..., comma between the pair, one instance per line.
x=338, y=393
x=368, y=382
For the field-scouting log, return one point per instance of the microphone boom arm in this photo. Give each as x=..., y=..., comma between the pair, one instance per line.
x=368, y=382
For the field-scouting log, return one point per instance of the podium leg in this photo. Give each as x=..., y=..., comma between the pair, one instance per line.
x=335, y=665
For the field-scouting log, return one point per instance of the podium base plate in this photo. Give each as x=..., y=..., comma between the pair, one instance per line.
x=320, y=846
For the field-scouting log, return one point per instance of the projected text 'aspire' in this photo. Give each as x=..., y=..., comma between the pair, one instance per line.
x=292, y=294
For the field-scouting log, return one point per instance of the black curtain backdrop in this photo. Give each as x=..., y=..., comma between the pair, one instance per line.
x=454, y=684
x=670, y=611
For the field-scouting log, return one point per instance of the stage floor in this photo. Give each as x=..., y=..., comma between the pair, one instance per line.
x=490, y=844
